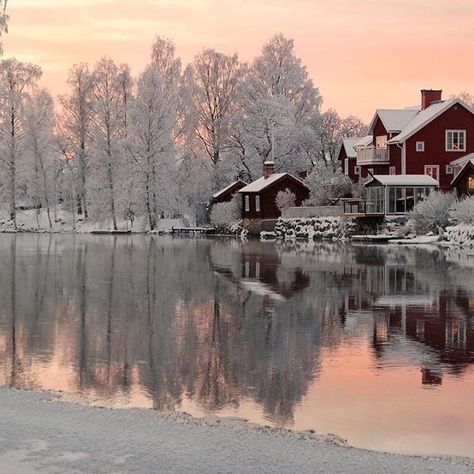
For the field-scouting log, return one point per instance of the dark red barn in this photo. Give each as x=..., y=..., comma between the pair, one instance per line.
x=258, y=198
x=227, y=194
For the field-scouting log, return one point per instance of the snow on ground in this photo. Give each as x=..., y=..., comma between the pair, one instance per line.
x=41, y=434
x=63, y=221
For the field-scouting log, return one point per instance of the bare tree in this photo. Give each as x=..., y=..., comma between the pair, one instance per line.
x=74, y=127
x=16, y=78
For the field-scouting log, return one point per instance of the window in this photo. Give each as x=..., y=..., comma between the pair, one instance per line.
x=247, y=203
x=346, y=166
x=420, y=146
x=357, y=170
x=433, y=171
x=392, y=170
x=449, y=169
x=455, y=140
x=470, y=183
x=257, y=203
x=381, y=141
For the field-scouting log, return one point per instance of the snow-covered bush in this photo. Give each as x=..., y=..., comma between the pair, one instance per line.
x=314, y=228
x=285, y=199
x=226, y=213
x=463, y=211
x=433, y=213
x=326, y=185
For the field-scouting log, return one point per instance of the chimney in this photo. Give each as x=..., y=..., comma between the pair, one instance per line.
x=268, y=168
x=429, y=96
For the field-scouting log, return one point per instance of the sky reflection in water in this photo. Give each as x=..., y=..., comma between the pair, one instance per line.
x=374, y=344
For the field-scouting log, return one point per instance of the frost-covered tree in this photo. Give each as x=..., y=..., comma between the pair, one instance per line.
x=463, y=210
x=16, y=80
x=3, y=20
x=74, y=128
x=326, y=185
x=433, y=213
x=151, y=143
x=216, y=78
x=466, y=97
x=285, y=199
x=225, y=213
x=40, y=151
x=108, y=139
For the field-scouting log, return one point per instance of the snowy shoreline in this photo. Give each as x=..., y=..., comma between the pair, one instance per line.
x=58, y=432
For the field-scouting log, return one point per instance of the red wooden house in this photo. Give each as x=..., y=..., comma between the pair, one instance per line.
x=425, y=140
x=227, y=194
x=258, y=198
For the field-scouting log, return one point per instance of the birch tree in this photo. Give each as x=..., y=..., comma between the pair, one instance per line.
x=40, y=149
x=74, y=128
x=16, y=79
x=108, y=135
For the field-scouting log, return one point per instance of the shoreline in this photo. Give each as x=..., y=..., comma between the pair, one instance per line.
x=58, y=432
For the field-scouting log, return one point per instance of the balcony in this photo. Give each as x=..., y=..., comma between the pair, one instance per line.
x=371, y=155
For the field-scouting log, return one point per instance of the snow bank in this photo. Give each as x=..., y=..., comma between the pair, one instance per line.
x=315, y=228
x=461, y=234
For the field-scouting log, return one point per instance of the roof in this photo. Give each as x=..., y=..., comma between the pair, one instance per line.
x=261, y=183
x=463, y=160
x=424, y=117
x=228, y=188
x=402, y=180
x=468, y=164
x=394, y=120
x=364, y=141
x=349, y=143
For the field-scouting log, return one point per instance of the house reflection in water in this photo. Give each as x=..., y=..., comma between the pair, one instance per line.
x=408, y=310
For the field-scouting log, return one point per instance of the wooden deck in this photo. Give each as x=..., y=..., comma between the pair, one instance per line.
x=193, y=230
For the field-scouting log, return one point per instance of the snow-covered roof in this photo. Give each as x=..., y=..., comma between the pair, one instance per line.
x=224, y=190
x=394, y=120
x=261, y=183
x=403, y=180
x=424, y=117
x=349, y=143
x=461, y=171
x=463, y=160
x=364, y=141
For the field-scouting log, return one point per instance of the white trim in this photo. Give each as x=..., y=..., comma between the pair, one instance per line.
x=247, y=203
x=357, y=170
x=404, y=158
x=346, y=166
x=449, y=169
x=435, y=167
x=392, y=170
x=257, y=203
x=420, y=146
x=460, y=131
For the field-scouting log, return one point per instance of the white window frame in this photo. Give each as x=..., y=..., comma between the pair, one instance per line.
x=449, y=169
x=452, y=132
x=346, y=166
x=420, y=146
x=436, y=167
x=247, y=203
x=257, y=203
x=357, y=170
x=392, y=170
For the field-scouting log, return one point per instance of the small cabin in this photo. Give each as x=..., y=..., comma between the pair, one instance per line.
x=463, y=182
x=227, y=194
x=258, y=198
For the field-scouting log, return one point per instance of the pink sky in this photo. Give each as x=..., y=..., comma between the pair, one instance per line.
x=362, y=54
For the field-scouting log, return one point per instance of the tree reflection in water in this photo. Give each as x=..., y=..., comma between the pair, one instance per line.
x=137, y=320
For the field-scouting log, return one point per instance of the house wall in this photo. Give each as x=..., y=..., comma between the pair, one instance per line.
x=461, y=184
x=352, y=164
x=268, y=208
x=379, y=130
x=455, y=118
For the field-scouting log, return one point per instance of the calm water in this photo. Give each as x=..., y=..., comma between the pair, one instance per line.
x=373, y=344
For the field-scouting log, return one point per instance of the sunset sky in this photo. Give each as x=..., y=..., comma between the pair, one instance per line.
x=362, y=54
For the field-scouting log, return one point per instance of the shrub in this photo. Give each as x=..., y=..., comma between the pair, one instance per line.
x=463, y=211
x=226, y=213
x=433, y=213
x=285, y=199
x=326, y=185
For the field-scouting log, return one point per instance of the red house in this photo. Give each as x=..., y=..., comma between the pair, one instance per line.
x=424, y=140
x=348, y=155
x=258, y=198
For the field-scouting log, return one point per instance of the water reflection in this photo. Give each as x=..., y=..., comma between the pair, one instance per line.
x=250, y=329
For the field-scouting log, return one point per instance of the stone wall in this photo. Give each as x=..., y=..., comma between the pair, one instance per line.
x=315, y=228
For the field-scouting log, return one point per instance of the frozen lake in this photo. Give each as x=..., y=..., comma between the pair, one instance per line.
x=374, y=344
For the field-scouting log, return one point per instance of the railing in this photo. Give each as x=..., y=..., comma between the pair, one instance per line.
x=372, y=155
